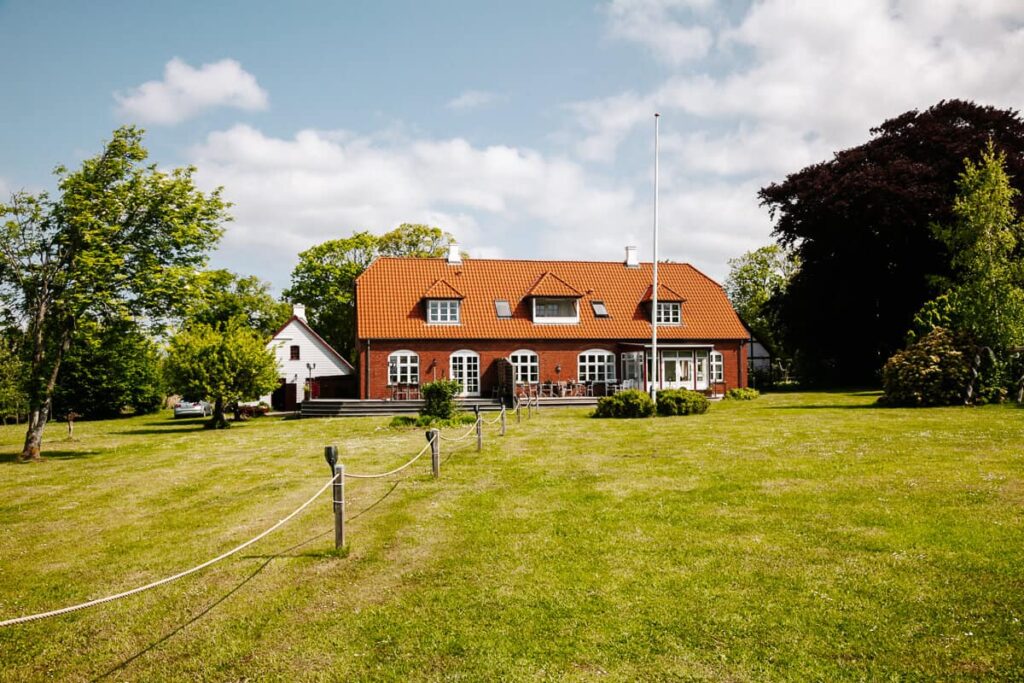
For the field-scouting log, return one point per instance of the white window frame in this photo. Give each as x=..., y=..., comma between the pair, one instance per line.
x=669, y=313
x=525, y=370
x=557, y=320
x=444, y=311
x=596, y=365
x=403, y=367
x=716, y=373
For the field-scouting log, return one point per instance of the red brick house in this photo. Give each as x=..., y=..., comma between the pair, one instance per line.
x=552, y=324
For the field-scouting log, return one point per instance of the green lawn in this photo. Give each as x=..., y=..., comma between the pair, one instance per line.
x=799, y=536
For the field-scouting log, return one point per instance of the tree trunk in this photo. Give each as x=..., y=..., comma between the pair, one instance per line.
x=34, y=435
x=218, y=421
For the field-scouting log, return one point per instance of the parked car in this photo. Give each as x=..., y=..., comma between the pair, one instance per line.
x=192, y=409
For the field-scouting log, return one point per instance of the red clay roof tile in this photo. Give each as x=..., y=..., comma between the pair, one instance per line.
x=389, y=293
x=442, y=289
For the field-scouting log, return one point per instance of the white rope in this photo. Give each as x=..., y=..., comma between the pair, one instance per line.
x=161, y=582
x=397, y=469
x=497, y=419
x=464, y=436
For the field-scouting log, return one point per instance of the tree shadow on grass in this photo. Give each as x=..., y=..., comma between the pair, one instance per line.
x=267, y=559
x=12, y=456
x=169, y=426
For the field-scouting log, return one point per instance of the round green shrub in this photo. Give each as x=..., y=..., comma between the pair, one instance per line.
x=439, y=398
x=933, y=371
x=682, y=402
x=629, y=403
x=742, y=394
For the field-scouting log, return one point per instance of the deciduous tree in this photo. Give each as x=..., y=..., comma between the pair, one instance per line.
x=860, y=224
x=324, y=279
x=754, y=280
x=120, y=240
x=224, y=363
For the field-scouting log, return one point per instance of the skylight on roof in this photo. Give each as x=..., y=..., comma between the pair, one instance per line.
x=600, y=311
x=502, y=308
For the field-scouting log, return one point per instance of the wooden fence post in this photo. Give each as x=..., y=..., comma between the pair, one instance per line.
x=519, y=411
x=503, y=420
x=434, y=437
x=479, y=431
x=339, y=506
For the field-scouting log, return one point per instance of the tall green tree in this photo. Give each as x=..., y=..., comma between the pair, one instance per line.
x=325, y=277
x=224, y=363
x=860, y=224
x=755, y=280
x=218, y=296
x=985, y=295
x=110, y=367
x=121, y=239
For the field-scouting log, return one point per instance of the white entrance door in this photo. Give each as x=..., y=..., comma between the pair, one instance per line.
x=677, y=369
x=465, y=369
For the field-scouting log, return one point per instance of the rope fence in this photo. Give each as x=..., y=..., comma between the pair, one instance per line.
x=337, y=482
x=169, y=579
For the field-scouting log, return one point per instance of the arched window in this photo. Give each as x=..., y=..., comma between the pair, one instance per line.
x=717, y=367
x=526, y=366
x=403, y=368
x=597, y=365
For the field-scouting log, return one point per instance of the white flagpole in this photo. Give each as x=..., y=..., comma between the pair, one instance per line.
x=655, y=370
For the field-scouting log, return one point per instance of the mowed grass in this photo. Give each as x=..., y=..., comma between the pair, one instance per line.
x=796, y=537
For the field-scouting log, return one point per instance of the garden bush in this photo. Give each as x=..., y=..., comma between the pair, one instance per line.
x=628, y=403
x=682, y=402
x=933, y=371
x=439, y=398
x=742, y=394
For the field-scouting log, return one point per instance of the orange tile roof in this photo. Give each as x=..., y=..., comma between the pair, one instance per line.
x=549, y=284
x=664, y=293
x=390, y=291
x=442, y=289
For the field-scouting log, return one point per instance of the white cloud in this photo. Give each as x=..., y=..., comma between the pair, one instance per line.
x=815, y=76
x=289, y=194
x=185, y=91
x=656, y=24
x=474, y=99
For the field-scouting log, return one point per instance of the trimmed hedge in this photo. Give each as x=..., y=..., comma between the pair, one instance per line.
x=742, y=394
x=629, y=403
x=682, y=402
x=933, y=371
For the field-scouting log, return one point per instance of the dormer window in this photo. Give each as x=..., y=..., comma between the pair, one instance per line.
x=668, y=313
x=443, y=311
x=551, y=310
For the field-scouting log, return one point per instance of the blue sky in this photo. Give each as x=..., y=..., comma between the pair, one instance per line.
x=524, y=128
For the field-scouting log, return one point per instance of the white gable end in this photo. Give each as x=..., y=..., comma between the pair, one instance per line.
x=311, y=350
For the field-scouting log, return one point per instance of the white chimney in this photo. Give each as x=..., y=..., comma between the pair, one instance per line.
x=454, y=256
x=631, y=258
x=299, y=311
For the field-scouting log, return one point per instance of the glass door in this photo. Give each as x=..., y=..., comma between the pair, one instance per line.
x=465, y=369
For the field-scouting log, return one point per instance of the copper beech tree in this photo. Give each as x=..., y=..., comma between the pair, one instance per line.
x=120, y=239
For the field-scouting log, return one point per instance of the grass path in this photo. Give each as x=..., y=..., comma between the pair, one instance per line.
x=801, y=536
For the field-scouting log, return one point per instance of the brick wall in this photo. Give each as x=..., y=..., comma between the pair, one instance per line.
x=434, y=360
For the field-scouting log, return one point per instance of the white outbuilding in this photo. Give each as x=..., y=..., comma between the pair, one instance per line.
x=308, y=367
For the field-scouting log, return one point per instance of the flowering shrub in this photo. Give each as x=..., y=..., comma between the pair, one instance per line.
x=933, y=371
